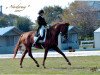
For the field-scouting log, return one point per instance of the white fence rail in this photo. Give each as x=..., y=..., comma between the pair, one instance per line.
x=87, y=43
x=54, y=54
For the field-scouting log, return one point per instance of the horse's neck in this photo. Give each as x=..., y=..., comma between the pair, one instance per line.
x=54, y=31
x=57, y=29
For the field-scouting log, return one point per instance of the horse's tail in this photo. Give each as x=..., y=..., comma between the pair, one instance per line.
x=17, y=46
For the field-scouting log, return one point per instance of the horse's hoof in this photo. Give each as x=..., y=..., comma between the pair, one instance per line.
x=44, y=67
x=69, y=63
x=37, y=65
x=21, y=67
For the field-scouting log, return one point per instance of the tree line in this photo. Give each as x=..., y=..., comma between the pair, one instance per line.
x=23, y=23
x=82, y=14
x=79, y=14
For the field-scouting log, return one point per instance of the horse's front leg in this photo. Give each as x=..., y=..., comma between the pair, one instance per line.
x=23, y=58
x=59, y=51
x=45, y=56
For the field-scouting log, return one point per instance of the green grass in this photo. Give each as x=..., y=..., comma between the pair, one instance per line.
x=80, y=66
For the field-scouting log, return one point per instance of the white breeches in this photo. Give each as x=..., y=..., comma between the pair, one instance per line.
x=41, y=31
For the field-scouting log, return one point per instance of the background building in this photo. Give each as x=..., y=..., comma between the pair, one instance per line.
x=97, y=38
x=0, y=10
x=72, y=41
x=8, y=39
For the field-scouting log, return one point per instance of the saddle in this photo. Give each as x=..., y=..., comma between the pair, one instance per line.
x=41, y=39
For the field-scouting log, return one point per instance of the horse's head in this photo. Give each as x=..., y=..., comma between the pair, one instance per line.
x=60, y=28
x=64, y=29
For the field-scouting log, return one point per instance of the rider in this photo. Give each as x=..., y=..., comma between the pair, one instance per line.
x=42, y=25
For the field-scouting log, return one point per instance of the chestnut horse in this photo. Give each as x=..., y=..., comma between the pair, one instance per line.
x=51, y=42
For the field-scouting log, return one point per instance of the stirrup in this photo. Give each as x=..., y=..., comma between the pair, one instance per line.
x=34, y=44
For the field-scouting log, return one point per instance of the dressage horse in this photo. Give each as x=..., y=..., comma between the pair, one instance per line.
x=51, y=42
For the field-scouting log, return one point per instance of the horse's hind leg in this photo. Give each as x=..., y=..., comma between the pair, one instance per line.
x=59, y=51
x=30, y=54
x=22, y=58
